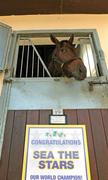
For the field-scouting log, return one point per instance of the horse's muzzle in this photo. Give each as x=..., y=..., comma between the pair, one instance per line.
x=80, y=73
x=75, y=69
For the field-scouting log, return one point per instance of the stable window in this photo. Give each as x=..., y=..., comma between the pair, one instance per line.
x=33, y=54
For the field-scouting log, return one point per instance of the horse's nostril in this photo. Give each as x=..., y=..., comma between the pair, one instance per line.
x=80, y=70
x=82, y=73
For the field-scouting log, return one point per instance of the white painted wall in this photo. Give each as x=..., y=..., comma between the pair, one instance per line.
x=34, y=22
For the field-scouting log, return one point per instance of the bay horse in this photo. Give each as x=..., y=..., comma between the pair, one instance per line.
x=65, y=61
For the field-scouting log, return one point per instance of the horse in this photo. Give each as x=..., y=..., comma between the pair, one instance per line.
x=64, y=61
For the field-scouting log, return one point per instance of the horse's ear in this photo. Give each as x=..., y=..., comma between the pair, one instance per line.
x=54, y=39
x=71, y=39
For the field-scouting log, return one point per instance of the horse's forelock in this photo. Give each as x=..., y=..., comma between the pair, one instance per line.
x=63, y=42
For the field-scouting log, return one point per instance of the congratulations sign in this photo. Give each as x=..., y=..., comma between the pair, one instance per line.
x=55, y=153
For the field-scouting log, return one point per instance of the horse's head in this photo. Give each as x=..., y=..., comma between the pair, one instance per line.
x=65, y=55
x=64, y=50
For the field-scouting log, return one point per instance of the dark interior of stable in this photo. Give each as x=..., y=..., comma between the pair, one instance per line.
x=45, y=53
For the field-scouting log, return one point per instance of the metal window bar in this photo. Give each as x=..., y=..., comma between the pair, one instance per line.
x=88, y=55
x=40, y=59
x=22, y=61
x=94, y=55
x=83, y=55
x=27, y=60
x=43, y=72
x=88, y=59
x=38, y=67
x=32, y=62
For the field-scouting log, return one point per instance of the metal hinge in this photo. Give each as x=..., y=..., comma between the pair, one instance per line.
x=57, y=111
x=101, y=54
x=6, y=70
x=8, y=80
x=92, y=83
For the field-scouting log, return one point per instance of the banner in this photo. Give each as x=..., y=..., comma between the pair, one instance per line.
x=54, y=152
